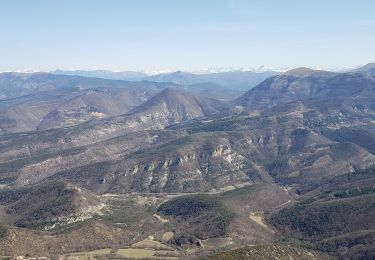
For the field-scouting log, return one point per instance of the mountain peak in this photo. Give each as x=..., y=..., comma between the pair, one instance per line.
x=176, y=105
x=303, y=86
x=172, y=94
x=302, y=71
x=169, y=91
x=369, y=67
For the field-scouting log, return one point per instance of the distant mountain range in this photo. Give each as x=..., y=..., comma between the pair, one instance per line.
x=240, y=79
x=231, y=80
x=105, y=74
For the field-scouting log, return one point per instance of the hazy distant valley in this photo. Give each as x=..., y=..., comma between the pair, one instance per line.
x=182, y=165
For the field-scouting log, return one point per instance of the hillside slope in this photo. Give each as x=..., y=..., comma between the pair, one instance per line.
x=303, y=85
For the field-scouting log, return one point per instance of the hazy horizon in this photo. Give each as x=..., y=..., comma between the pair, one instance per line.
x=258, y=69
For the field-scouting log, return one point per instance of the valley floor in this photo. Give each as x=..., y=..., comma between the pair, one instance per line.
x=131, y=226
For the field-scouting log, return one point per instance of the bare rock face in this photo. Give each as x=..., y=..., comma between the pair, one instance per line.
x=199, y=163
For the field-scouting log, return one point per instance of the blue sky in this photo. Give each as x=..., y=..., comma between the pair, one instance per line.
x=185, y=34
